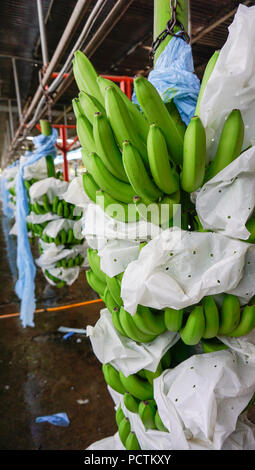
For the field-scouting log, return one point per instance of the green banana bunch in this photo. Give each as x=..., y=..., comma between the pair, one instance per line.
x=112, y=378
x=147, y=411
x=107, y=148
x=90, y=187
x=165, y=177
x=107, y=182
x=230, y=144
x=207, y=73
x=86, y=76
x=122, y=123
x=156, y=112
x=194, y=156
x=141, y=123
x=158, y=423
x=139, y=179
x=137, y=386
x=116, y=209
x=131, y=403
x=131, y=442
x=131, y=330
x=148, y=322
x=90, y=105
x=95, y=283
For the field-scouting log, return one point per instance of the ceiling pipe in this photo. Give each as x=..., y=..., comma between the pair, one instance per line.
x=17, y=90
x=42, y=29
x=78, y=12
x=11, y=119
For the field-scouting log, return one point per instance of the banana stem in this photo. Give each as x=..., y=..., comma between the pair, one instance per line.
x=162, y=14
x=46, y=130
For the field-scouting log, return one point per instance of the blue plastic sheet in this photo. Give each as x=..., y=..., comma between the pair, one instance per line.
x=58, y=419
x=44, y=145
x=5, y=195
x=174, y=78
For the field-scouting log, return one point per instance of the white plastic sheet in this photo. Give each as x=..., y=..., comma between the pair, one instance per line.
x=226, y=202
x=178, y=268
x=53, y=253
x=69, y=275
x=75, y=193
x=124, y=353
x=50, y=186
x=37, y=170
x=232, y=83
x=117, y=242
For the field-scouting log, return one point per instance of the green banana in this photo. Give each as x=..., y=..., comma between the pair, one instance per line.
x=64, y=263
x=86, y=76
x=61, y=284
x=90, y=105
x=60, y=209
x=90, y=187
x=136, y=172
x=85, y=134
x=131, y=442
x=131, y=329
x=116, y=209
x=131, y=403
x=173, y=319
x=230, y=144
x=150, y=376
x=193, y=330
x=207, y=73
x=40, y=209
x=55, y=204
x=116, y=321
x=107, y=148
x=94, y=262
x=140, y=122
x=119, y=415
x=65, y=210
x=229, y=314
x=148, y=322
x=95, y=283
x=194, y=156
x=110, y=302
x=107, y=182
x=212, y=345
x=77, y=109
x=147, y=410
x=71, y=209
x=158, y=423
x=85, y=159
x=122, y=123
x=46, y=204
x=165, y=177
x=69, y=235
x=174, y=113
x=70, y=263
x=156, y=112
x=211, y=317
x=62, y=235
x=247, y=322
x=50, y=276
x=124, y=430
x=138, y=387
x=160, y=213
x=250, y=225
x=112, y=378
x=114, y=287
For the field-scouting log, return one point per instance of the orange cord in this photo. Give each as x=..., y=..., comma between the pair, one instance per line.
x=52, y=309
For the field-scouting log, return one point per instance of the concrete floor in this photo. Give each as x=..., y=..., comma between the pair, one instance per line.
x=43, y=374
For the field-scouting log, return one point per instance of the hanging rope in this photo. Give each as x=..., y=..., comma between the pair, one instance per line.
x=169, y=29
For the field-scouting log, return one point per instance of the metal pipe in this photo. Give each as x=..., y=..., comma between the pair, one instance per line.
x=16, y=82
x=11, y=118
x=42, y=33
x=78, y=13
x=45, y=22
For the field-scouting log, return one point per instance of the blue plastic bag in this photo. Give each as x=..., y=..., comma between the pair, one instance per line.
x=44, y=145
x=174, y=78
x=58, y=419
